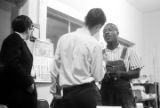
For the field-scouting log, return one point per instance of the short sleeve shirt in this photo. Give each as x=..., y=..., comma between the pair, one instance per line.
x=131, y=59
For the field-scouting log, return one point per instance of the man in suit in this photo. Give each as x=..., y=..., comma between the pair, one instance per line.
x=17, y=85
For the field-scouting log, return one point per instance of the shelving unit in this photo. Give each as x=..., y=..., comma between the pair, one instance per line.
x=150, y=88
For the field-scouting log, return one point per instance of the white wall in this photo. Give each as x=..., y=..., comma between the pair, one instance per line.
x=151, y=37
x=5, y=20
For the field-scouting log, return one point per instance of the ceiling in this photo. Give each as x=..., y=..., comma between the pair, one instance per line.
x=142, y=5
x=146, y=5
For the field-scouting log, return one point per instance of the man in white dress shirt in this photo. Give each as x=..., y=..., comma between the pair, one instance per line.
x=78, y=63
x=122, y=65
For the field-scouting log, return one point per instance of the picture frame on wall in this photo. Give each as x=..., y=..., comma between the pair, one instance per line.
x=42, y=62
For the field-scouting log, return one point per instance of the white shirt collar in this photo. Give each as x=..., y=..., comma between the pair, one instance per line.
x=20, y=35
x=119, y=46
x=84, y=30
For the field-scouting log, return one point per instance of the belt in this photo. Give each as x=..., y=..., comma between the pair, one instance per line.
x=75, y=86
x=67, y=89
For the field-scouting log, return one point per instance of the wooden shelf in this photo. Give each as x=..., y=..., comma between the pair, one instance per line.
x=143, y=84
x=148, y=99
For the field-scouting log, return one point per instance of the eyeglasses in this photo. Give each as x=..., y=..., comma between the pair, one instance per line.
x=109, y=32
x=32, y=27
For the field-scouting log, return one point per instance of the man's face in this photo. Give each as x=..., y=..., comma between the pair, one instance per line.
x=110, y=34
x=30, y=32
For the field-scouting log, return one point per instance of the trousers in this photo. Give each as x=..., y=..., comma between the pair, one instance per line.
x=115, y=93
x=79, y=96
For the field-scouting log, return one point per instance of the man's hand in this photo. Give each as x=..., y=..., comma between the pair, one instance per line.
x=110, y=68
x=117, y=74
x=57, y=96
x=31, y=88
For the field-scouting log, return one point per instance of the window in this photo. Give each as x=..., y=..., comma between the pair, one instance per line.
x=74, y=26
x=59, y=24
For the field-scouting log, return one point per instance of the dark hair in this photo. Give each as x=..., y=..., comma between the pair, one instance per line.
x=94, y=17
x=111, y=27
x=21, y=23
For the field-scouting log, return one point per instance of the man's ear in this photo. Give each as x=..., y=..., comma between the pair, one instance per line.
x=118, y=32
x=98, y=27
x=95, y=29
x=27, y=31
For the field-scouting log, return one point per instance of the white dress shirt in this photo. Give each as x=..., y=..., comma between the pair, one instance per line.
x=78, y=59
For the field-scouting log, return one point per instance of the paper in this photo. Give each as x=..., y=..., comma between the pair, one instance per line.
x=42, y=59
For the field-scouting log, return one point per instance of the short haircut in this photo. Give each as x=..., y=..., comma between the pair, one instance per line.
x=94, y=17
x=21, y=23
x=111, y=27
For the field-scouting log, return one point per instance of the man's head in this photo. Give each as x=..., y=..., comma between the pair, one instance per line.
x=95, y=19
x=110, y=32
x=22, y=24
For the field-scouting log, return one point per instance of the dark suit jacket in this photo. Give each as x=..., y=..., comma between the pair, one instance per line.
x=17, y=60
